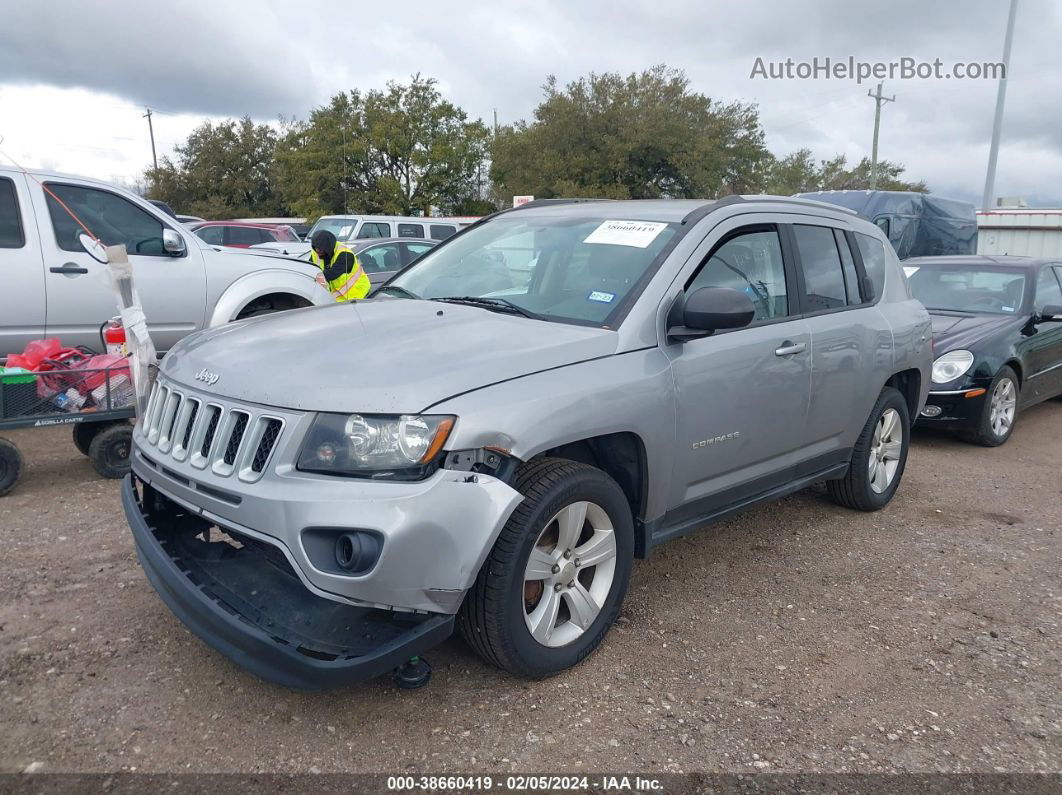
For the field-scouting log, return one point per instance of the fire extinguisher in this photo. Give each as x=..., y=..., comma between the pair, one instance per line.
x=114, y=337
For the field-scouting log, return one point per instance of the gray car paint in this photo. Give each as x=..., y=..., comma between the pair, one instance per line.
x=527, y=386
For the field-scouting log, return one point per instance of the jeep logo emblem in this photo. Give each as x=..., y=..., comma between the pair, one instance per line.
x=207, y=377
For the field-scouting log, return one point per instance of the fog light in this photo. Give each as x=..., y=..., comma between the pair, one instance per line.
x=931, y=411
x=357, y=552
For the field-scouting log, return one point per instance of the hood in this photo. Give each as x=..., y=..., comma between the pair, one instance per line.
x=954, y=332
x=385, y=356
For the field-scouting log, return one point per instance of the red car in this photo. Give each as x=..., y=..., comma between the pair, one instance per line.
x=242, y=234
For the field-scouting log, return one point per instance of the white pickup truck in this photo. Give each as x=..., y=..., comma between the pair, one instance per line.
x=51, y=287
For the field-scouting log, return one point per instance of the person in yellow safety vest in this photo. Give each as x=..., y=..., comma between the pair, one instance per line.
x=341, y=272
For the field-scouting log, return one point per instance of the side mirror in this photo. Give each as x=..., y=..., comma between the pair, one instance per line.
x=711, y=309
x=95, y=248
x=1051, y=312
x=172, y=243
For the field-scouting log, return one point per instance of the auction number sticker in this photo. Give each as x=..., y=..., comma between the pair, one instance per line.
x=637, y=234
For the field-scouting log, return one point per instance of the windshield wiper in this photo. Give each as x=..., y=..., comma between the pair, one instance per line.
x=399, y=290
x=496, y=304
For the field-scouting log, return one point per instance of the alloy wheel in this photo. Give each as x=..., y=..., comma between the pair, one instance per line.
x=1001, y=407
x=885, y=450
x=569, y=573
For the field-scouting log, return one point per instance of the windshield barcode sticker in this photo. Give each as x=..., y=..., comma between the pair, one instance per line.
x=601, y=297
x=638, y=234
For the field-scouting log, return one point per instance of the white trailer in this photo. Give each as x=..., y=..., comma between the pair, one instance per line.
x=1025, y=232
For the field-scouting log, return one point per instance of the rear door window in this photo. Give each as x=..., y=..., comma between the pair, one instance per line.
x=246, y=236
x=11, y=235
x=441, y=231
x=411, y=230
x=823, y=276
x=384, y=257
x=371, y=229
x=214, y=235
x=414, y=250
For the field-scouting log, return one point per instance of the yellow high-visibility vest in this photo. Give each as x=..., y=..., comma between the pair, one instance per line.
x=349, y=286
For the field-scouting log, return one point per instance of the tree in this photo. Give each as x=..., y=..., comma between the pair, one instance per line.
x=403, y=151
x=641, y=136
x=222, y=170
x=797, y=173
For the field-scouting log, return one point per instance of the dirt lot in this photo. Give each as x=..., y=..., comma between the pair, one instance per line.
x=797, y=637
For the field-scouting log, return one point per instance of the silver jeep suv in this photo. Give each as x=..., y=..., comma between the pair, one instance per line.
x=489, y=443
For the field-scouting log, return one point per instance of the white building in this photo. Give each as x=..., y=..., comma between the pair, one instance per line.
x=1023, y=231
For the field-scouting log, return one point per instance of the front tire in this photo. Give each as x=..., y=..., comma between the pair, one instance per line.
x=878, y=458
x=109, y=450
x=552, y=585
x=999, y=412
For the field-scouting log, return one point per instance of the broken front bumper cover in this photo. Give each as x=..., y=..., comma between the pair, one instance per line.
x=243, y=598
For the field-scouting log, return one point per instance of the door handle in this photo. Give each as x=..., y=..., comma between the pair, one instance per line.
x=69, y=267
x=789, y=349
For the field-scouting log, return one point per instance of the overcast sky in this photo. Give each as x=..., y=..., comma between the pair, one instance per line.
x=75, y=76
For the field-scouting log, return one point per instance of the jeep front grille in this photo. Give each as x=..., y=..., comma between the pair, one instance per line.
x=209, y=435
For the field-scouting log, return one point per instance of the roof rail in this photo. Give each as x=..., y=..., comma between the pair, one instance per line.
x=800, y=201
x=548, y=202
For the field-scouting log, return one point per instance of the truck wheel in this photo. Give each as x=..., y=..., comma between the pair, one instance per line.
x=84, y=433
x=10, y=466
x=878, y=458
x=109, y=450
x=999, y=411
x=552, y=585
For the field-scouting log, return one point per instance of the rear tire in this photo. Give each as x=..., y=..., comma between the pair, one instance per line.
x=878, y=458
x=109, y=451
x=563, y=500
x=11, y=464
x=84, y=433
x=995, y=425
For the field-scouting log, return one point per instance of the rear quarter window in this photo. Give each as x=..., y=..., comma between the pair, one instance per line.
x=874, y=259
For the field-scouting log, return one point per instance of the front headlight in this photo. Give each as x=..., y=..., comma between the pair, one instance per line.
x=369, y=445
x=951, y=365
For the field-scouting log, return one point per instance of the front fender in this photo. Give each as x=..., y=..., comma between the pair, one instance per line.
x=265, y=282
x=627, y=393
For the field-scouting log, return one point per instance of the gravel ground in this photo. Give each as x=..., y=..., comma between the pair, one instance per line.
x=797, y=637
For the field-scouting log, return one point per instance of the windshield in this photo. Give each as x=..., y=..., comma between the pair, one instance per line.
x=342, y=228
x=571, y=269
x=962, y=288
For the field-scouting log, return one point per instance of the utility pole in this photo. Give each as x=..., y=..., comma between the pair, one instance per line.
x=495, y=122
x=151, y=130
x=878, y=99
x=1001, y=98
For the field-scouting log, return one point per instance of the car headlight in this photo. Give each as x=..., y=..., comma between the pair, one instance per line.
x=371, y=445
x=951, y=365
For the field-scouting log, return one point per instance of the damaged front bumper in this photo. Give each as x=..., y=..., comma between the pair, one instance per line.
x=244, y=599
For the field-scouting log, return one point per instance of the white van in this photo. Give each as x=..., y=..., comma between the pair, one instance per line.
x=357, y=227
